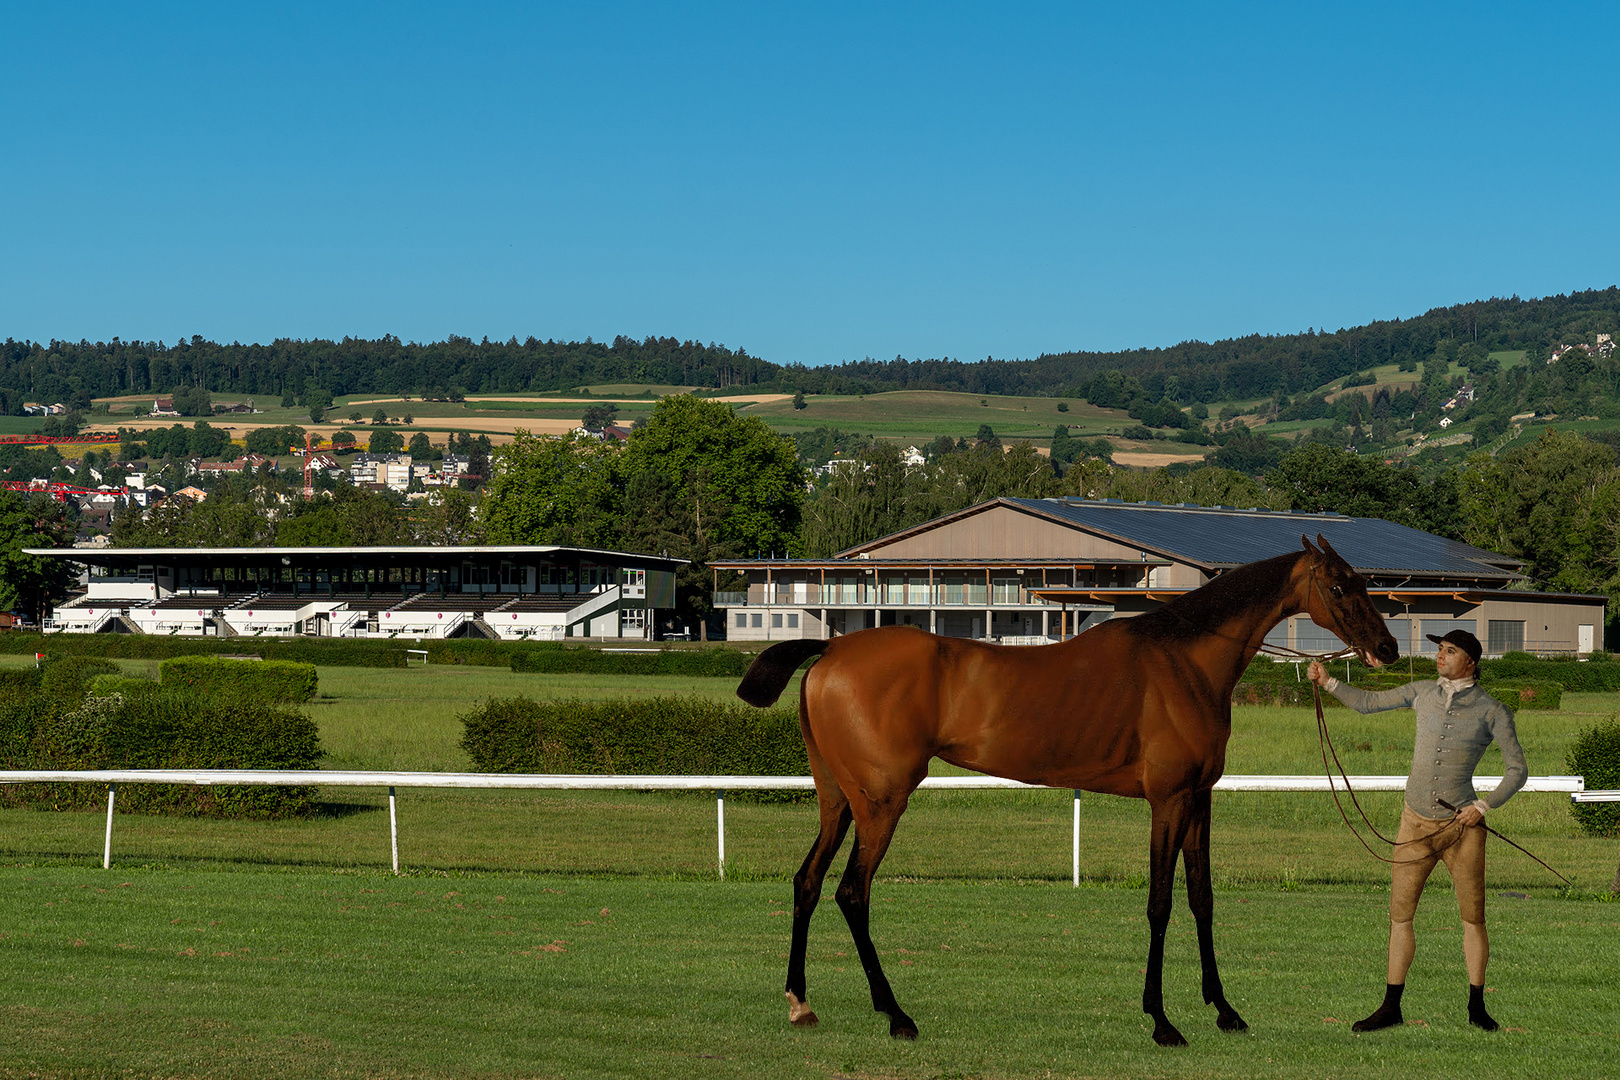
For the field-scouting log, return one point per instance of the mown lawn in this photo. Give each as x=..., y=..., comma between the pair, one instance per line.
x=265, y=973
x=584, y=934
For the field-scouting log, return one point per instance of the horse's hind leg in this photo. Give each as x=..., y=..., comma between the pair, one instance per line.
x=1201, y=898
x=835, y=818
x=1170, y=821
x=854, y=896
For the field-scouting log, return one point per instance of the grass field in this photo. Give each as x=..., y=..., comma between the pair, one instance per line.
x=583, y=934
x=182, y=973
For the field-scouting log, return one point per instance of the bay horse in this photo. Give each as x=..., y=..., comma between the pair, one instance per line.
x=1138, y=707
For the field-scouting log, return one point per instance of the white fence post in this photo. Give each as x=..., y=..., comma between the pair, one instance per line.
x=393, y=829
x=720, y=814
x=1077, y=838
x=106, y=851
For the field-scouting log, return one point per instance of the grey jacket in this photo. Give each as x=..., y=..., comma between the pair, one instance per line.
x=1449, y=742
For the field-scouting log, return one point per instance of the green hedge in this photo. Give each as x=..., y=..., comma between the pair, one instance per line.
x=556, y=659
x=69, y=676
x=717, y=660
x=1595, y=755
x=15, y=682
x=657, y=736
x=1590, y=677
x=1518, y=694
x=246, y=680
x=161, y=730
x=334, y=652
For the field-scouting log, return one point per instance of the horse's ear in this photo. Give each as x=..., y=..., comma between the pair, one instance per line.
x=1327, y=548
x=1306, y=541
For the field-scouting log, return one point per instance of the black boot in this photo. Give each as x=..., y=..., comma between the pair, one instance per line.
x=1476, y=1010
x=1388, y=1014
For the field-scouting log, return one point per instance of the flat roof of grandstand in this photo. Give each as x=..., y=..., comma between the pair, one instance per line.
x=1220, y=537
x=416, y=554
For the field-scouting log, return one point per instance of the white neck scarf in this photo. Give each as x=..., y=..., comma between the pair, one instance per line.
x=1449, y=688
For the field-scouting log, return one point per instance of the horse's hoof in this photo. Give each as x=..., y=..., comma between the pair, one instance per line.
x=799, y=1014
x=1231, y=1022
x=1165, y=1034
x=902, y=1027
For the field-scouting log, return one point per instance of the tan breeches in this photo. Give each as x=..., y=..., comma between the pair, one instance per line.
x=1422, y=842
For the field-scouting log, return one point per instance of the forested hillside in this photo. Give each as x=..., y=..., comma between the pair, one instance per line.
x=1193, y=371
x=73, y=373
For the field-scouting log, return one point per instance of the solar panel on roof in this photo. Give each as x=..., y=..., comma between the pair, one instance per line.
x=1248, y=535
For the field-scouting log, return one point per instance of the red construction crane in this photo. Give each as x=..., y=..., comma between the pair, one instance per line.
x=44, y=440
x=58, y=491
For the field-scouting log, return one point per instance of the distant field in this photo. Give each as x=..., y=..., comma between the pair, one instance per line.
x=1509, y=358
x=20, y=425
x=927, y=414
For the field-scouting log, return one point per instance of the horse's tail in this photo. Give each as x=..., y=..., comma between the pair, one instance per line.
x=768, y=675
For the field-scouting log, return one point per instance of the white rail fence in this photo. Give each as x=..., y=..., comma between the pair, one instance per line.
x=1574, y=786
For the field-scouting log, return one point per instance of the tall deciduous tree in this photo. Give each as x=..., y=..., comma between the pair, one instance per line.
x=550, y=489
x=28, y=581
x=697, y=445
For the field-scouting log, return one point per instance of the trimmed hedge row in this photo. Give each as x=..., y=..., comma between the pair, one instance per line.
x=80, y=712
x=718, y=660
x=1516, y=694
x=553, y=659
x=158, y=731
x=244, y=680
x=1575, y=676
x=1593, y=676
x=1595, y=754
x=657, y=736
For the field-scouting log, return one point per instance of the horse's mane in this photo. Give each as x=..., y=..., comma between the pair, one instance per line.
x=1204, y=609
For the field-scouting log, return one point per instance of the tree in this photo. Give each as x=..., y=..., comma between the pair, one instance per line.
x=27, y=582
x=1554, y=504
x=1317, y=477
x=318, y=399
x=549, y=489
x=448, y=518
x=799, y=402
x=343, y=442
x=274, y=441
x=692, y=441
x=385, y=441
x=656, y=520
x=379, y=418
x=421, y=448
x=598, y=417
x=862, y=500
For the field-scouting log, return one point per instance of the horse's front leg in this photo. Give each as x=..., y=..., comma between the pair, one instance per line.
x=1171, y=818
x=1201, y=898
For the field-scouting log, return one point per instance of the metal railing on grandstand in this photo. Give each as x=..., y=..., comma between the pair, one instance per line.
x=1572, y=785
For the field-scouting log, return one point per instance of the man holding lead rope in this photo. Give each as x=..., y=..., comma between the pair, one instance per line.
x=1456, y=722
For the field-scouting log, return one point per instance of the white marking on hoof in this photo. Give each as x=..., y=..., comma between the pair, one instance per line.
x=799, y=1013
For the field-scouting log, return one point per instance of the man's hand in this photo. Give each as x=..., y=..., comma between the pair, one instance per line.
x=1470, y=816
x=1317, y=673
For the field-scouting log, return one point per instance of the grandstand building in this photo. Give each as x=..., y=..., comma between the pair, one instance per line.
x=507, y=593
x=1031, y=571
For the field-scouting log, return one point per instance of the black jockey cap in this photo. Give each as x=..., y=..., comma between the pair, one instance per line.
x=1465, y=641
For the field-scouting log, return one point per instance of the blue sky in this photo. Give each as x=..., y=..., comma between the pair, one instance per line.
x=814, y=184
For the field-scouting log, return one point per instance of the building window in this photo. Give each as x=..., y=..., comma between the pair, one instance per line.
x=1004, y=591
x=793, y=621
x=1504, y=635
x=759, y=620
x=776, y=620
x=742, y=619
